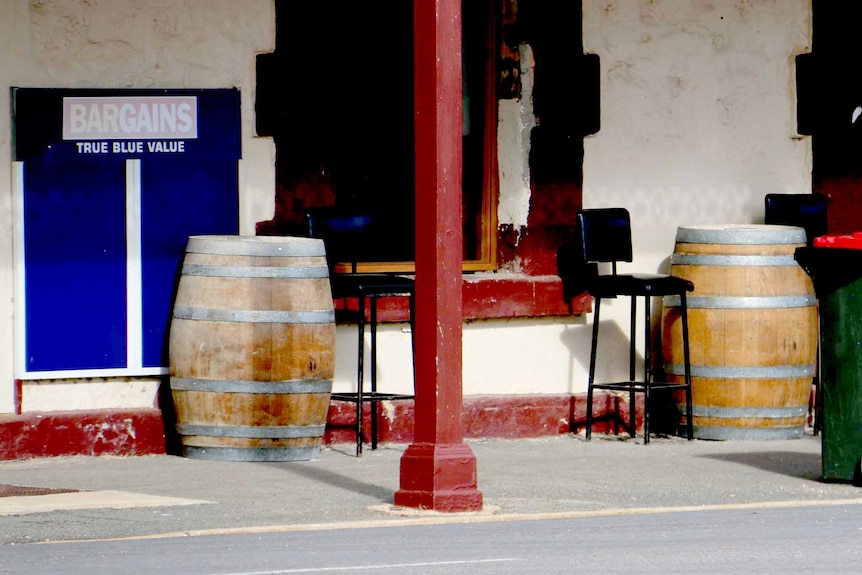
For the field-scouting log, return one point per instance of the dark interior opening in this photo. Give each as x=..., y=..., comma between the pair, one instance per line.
x=829, y=89
x=337, y=97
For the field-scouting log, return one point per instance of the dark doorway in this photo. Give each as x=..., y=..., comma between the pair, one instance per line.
x=337, y=97
x=830, y=89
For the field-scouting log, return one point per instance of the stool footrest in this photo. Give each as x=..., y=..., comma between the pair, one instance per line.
x=370, y=396
x=639, y=386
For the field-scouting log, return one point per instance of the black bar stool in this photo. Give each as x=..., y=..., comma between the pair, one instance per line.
x=344, y=234
x=807, y=211
x=605, y=236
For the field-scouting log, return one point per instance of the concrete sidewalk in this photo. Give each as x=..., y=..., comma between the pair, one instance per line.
x=520, y=479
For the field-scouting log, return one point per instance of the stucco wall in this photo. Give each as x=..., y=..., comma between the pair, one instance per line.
x=698, y=117
x=131, y=44
x=697, y=124
x=509, y=356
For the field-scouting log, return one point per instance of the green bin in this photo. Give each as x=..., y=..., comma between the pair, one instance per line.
x=837, y=276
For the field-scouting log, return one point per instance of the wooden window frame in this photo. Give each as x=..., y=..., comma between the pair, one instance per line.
x=487, y=214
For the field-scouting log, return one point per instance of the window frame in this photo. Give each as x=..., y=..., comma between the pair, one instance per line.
x=486, y=232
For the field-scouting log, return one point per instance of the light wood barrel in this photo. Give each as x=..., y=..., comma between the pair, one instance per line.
x=252, y=348
x=752, y=330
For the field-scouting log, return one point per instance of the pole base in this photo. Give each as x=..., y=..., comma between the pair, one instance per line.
x=440, y=477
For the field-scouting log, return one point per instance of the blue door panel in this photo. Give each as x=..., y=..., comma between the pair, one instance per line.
x=75, y=262
x=75, y=235
x=179, y=200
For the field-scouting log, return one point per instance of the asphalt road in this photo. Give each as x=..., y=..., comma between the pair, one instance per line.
x=813, y=539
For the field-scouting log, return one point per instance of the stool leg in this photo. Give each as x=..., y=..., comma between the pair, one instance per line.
x=818, y=392
x=373, y=319
x=647, y=366
x=592, y=374
x=632, y=374
x=818, y=382
x=360, y=375
x=689, y=416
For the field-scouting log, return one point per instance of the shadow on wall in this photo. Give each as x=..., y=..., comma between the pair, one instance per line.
x=612, y=357
x=173, y=442
x=664, y=266
x=613, y=349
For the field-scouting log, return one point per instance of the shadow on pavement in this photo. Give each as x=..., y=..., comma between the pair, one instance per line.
x=345, y=482
x=801, y=465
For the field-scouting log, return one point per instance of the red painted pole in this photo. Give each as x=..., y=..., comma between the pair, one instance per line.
x=438, y=471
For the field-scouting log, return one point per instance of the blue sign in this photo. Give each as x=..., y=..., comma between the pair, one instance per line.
x=114, y=183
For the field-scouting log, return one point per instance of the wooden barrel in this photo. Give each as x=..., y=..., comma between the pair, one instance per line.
x=752, y=330
x=252, y=348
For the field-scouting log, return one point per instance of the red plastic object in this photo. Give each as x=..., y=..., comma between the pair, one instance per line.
x=852, y=241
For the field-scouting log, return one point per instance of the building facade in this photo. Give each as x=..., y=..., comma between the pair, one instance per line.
x=683, y=112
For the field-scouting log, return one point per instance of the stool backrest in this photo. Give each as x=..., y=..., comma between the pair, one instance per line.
x=344, y=233
x=606, y=235
x=803, y=210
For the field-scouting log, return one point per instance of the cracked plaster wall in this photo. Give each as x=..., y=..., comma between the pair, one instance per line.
x=515, y=121
x=698, y=117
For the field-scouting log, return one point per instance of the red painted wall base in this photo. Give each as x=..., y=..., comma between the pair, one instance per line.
x=500, y=416
x=142, y=432
x=138, y=432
